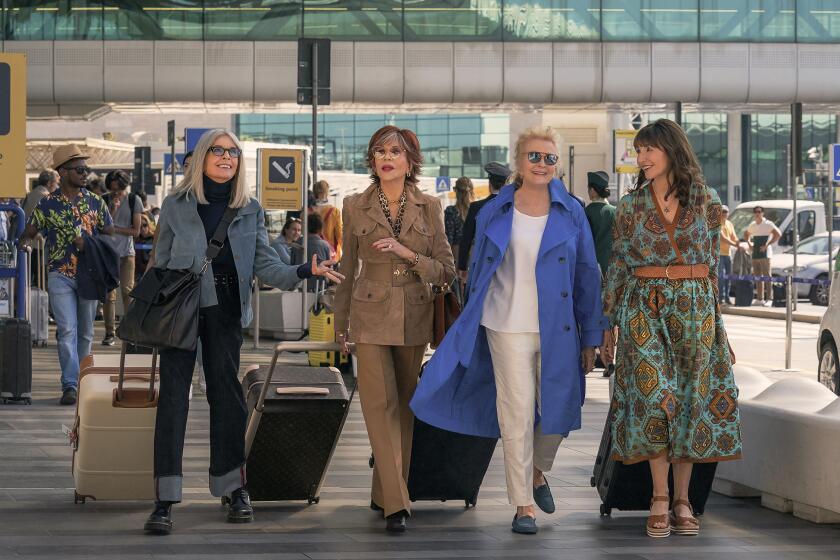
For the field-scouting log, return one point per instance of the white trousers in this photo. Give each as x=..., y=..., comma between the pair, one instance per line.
x=516, y=366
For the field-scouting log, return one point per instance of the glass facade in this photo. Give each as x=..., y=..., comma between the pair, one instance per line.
x=453, y=145
x=807, y=21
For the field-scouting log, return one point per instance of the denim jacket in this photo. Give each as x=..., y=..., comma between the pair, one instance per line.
x=181, y=244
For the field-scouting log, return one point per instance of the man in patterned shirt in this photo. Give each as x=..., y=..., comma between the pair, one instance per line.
x=62, y=217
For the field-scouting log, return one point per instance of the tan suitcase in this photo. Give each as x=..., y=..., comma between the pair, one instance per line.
x=113, y=438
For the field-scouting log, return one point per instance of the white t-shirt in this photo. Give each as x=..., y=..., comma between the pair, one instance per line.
x=764, y=229
x=511, y=303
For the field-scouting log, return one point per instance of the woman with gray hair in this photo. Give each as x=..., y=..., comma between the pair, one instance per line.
x=214, y=183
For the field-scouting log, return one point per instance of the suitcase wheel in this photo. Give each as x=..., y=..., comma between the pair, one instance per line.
x=225, y=501
x=605, y=511
x=470, y=502
x=592, y=481
x=78, y=499
x=371, y=461
x=314, y=499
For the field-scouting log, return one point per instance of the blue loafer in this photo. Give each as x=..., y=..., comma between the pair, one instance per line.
x=525, y=525
x=543, y=498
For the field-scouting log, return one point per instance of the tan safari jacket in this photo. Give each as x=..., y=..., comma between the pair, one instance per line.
x=383, y=299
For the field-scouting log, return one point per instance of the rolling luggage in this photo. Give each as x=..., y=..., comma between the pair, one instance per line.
x=743, y=293
x=630, y=487
x=322, y=329
x=15, y=361
x=113, y=436
x=446, y=465
x=39, y=301
x=296, y=414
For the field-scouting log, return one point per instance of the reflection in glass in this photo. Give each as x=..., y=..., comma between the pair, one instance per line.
x=154, y=20
x=257, y=20
x=818, y=21
x=342, y=20
x=452, y=20
x=748, y=20
x=573, y=20
x=657, y=20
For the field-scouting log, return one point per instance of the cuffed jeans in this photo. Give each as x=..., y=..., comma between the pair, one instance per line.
x=220, y=332
x=74, y=326
x=724, y=270
x=516, y=366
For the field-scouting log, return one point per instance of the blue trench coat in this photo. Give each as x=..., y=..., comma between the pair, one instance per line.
x=457, y=391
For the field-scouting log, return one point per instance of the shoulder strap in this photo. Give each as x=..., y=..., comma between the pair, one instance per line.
x=132, y=202
x=218, y=240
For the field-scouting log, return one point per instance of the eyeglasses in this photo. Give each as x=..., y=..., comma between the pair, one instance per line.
x=536, y=157
x=381, y=153
x=218, y=151
x=81, y=170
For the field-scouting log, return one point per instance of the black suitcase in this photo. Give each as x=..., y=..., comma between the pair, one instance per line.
x=15, y=361
x=743, y=293
x=630, y=487
x=292, y=441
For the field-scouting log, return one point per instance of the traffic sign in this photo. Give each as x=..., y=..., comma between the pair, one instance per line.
x=191, y=137
x=12, y=125
x=834, y=162
x=167, y=163
x=443, y=184
x=280, y=179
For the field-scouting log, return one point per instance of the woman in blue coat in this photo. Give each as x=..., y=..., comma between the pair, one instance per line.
x=527, y=337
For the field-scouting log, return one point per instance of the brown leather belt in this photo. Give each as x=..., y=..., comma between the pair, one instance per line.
x=673, y=271
x=397, y=273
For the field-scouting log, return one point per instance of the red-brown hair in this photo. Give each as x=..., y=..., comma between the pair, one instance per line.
x=407, y=140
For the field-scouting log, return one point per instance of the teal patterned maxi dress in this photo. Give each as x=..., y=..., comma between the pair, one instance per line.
x=675, y=393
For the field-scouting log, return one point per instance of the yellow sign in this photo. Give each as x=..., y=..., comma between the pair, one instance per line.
x=624, y=152
x=12, y=125
x=280, y=185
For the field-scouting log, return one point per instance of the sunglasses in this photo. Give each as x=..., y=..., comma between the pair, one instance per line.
x=381, y=153
x=536, y=157
x=218, y=151
x=81, y=170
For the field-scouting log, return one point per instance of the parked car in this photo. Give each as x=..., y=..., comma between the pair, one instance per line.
x=780, y=212
x=828, y=373
x=811, y=263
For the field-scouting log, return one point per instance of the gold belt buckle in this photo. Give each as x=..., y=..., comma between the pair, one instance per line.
x=668, y=272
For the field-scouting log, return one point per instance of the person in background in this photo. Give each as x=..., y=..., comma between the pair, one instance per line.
x=761, y=234
x=145, y=238
x=126, y=209
x=187, y=159
x=601, y=216
x=96, y=185
x=497, y=174
x=288, y=239
x=728, y=242
x=315, y=245
x=330, y=215
x=454, y=216
x=46, y=184
x=62, y=217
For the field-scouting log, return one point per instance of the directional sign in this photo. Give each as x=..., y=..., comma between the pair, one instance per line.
x=834, y=162
x=12, y=125
x=167, y=163
x=280, y=179
x=191, y=137
x=443, y=184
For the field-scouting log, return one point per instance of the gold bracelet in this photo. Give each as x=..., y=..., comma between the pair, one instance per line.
x=416, y=260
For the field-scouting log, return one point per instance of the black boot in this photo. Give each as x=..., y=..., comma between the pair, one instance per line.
x=395, y=523
x=239, y=509
x=160, y=522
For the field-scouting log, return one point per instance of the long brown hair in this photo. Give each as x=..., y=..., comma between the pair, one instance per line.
x=407, y=140
x=463, y=196
x=685, y=170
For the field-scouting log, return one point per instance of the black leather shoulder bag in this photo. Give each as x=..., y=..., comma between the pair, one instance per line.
x=164, y=310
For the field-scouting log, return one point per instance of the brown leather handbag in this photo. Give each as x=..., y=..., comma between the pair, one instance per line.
x=447, y=309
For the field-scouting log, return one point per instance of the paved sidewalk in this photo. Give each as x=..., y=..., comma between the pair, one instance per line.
x=38, y=518
x=804, y=313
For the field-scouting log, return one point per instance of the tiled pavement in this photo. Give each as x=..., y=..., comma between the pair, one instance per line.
x=38, y=518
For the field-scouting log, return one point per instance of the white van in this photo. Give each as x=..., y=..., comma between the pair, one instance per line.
x=780, y=212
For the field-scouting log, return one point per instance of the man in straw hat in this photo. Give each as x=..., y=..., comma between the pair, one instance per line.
x=62, y=217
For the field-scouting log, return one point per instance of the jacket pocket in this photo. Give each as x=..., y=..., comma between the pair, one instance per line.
x=180, y=262
x=370, y=291
x=418, y=294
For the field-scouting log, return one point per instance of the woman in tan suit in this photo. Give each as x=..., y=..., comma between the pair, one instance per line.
x=395, y=248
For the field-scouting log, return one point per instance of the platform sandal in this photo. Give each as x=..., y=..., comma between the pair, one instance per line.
x=654, y=531
x=687, y=526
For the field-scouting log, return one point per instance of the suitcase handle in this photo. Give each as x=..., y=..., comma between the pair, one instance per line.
x=152, y=376
x=298, y=346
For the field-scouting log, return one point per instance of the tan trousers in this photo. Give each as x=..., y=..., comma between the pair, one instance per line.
x=126, y=285
x=387, y=379
x=761, y=267
x=516, y=366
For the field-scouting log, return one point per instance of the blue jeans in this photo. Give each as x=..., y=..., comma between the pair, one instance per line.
x=74, y=319
x=724, y=269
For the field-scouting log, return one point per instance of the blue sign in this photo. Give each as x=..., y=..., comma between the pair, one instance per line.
x=191, y=136
x=167, y=162
x=443, y=184
x=834, y=161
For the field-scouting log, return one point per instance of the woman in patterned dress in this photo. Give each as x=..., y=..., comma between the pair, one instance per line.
x=675, y=400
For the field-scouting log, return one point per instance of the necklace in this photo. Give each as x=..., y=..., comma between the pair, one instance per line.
x=396, y=225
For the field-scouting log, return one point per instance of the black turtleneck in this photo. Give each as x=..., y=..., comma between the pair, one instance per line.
x=218, y=197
